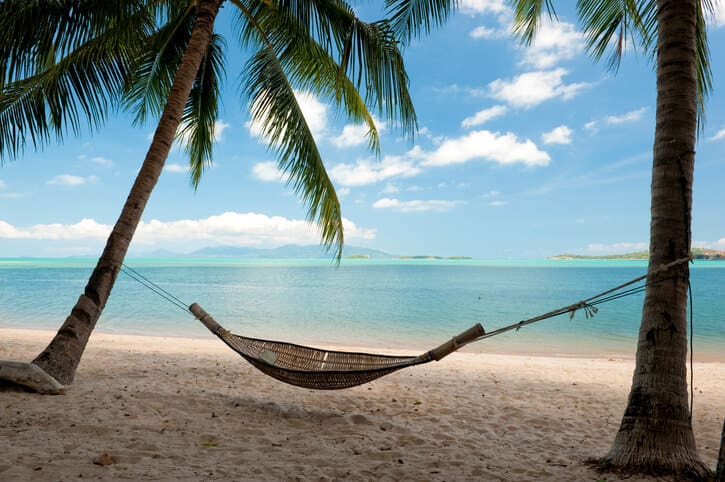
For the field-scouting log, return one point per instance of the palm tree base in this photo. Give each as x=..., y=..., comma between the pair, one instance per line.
x=30, y=376
x=630, y=462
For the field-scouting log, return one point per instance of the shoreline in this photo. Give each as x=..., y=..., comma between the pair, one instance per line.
x=192, y=409
x=508, y=348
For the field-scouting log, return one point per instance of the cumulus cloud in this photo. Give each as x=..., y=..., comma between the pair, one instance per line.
x=533, y=88
x=717, y=19
x=70, y=180
x=268, y=171
x=616, y=248
x=176, y=168
x=484, y=33
x=479, y=7
x=314, y=111
x=488, y=146
x=554, y=41
x=365, y=172
x=102, y=161
x=719, y=244
x=219, y=127
x=718, y=135
x=229, y=229
x=558, y=135
x=631, y=116
x=483, y=116
x=415, y=205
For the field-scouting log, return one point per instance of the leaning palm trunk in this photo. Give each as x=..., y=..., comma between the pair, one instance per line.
x=60, y=359
x=656, y=434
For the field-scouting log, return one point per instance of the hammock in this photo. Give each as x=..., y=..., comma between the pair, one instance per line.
x=331, y=370
x=307, y=367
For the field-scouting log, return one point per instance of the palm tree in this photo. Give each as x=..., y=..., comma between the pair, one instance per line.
x=655, y=436
x=163, y=58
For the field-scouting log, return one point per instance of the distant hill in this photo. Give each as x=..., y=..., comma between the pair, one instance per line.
x=286, y=252
x=698, y=253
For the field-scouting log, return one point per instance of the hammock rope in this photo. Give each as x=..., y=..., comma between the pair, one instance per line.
x=321, y=369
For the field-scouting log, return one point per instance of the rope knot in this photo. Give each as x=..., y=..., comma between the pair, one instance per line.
x=589, y=310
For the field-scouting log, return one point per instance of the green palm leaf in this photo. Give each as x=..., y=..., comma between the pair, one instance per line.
x=409, y=17
x=275, y=108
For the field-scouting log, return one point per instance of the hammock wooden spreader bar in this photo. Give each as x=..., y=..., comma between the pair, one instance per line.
x=319, y=369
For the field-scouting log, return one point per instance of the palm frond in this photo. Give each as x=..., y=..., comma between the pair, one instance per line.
x=527, y=17
x=614, y=25
x=308, y=65
x=201, y=110
x=703, y=65
x=39, y=33
x=152, y=74
x=275, y=108
x=411, y=17
x=78, y=89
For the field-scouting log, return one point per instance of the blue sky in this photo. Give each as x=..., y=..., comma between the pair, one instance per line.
x=522, y=153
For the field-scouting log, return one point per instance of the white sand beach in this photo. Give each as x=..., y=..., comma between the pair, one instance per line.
x=191, y=409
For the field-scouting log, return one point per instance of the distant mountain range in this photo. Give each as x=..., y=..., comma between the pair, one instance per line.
x=290, y=251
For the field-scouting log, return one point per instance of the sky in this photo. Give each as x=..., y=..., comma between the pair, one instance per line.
x=521, y=153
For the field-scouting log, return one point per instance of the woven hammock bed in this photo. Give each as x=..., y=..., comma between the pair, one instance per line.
x=307, y=367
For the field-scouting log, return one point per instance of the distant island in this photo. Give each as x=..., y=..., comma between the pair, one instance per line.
x=697, y=253
x=291, y=251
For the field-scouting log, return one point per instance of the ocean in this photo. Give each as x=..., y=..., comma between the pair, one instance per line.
x=386, y=304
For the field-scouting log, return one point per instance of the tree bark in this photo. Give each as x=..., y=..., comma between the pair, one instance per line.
x=655, y=436
x=62, y=356
x=720, y=469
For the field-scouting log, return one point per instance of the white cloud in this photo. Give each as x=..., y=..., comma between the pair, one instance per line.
x=631, y=116
x=342, y=192
x=616, y=248
x=478, y=7
x=718, y=135
x=102, y=161
x=230, y=228
x=482, y=32
x=365, y=172
x=558, y=135
x=496, y=204
x=490, y=146
x=390, y=188
x=70, y=180
x=717, y=19
x=314, y=111
x=352, y=135
x=592, y=127
x=719, y=244
x=268, y=171
x=416, y=205
x=554, y=41
x=2, y=184
x=84, y=229
x=483, y=116
x=532, y=88
x=176, y=168
x=182, y=137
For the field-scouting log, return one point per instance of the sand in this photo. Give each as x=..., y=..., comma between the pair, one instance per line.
x=190, y=409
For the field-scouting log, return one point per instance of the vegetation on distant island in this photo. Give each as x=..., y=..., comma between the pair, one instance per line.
x=697, y=253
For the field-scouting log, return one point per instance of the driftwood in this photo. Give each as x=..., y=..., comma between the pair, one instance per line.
x=30, y=376
x=720, y=470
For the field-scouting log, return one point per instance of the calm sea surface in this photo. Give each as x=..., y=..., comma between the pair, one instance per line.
x=386, y=304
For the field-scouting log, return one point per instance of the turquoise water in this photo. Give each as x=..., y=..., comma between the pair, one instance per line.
x=410, y=304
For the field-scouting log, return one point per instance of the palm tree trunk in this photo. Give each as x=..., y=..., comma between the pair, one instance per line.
x=60, y=359
x=656, y=434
